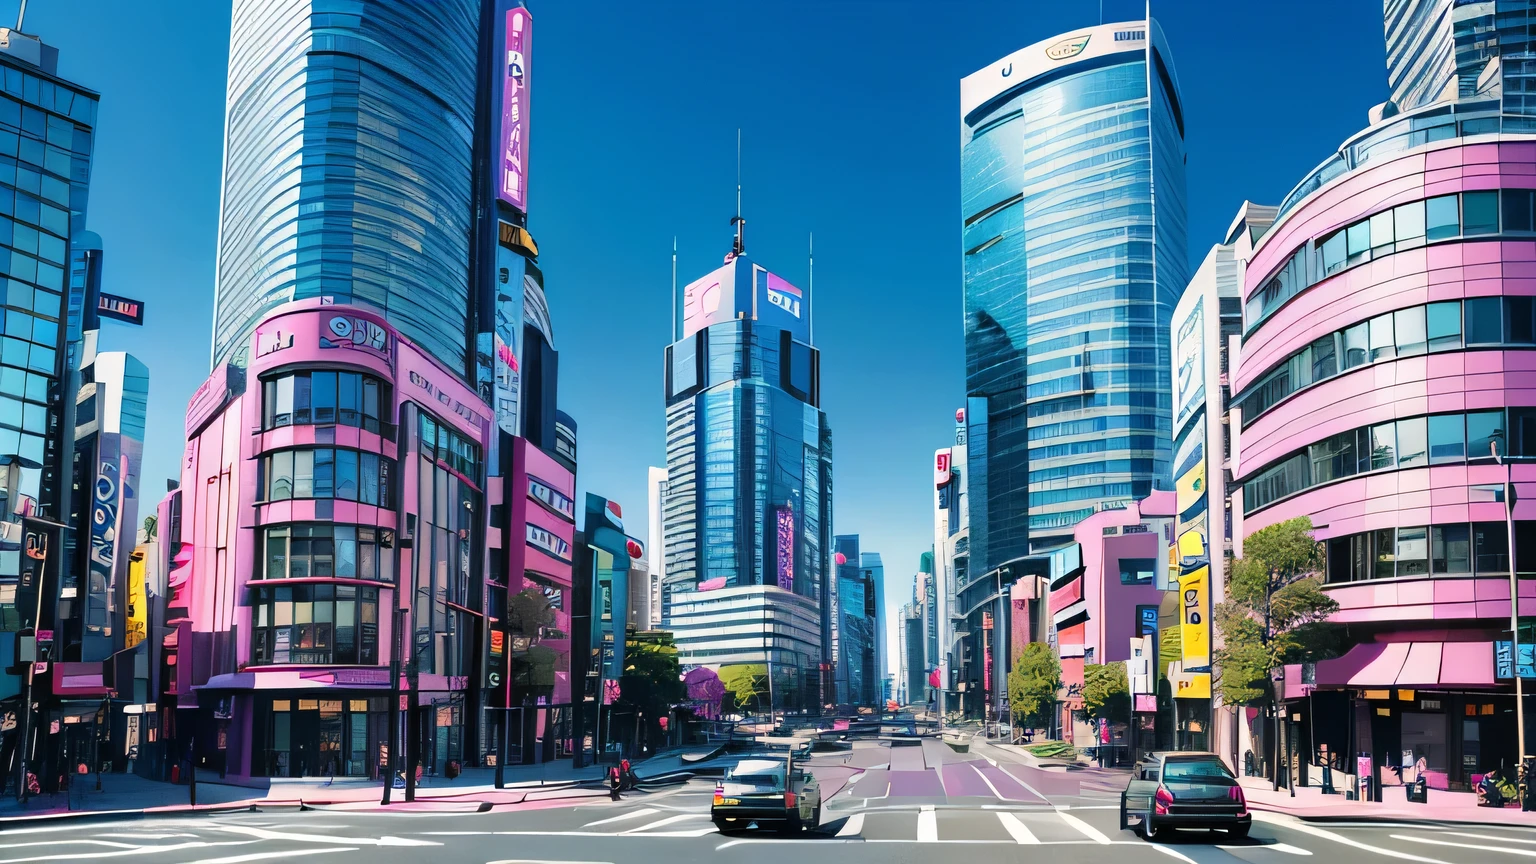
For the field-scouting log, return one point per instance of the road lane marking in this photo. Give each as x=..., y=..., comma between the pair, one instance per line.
x=1016, y=829
x=1172, y=852
x=1278, y=847
x=1502, y=839
x=644, y=811
x=1087, y=830
x=681, y=817
x=264, y=834
x=1297, y=824
x=853, y=826
x=986, y=781
x=1412, y=839
x=927, y=825
x=265, y=856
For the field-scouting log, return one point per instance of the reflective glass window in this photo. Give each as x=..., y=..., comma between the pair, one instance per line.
x=1412, y=552
x=1357, y=351
x=1479, y=213
x=1516, y=207
x=1482, y=428
x=1408, y=220
x=1517, y=321
x=1333, y=251
x=1386, y=553
x=1381, y=233
x=1382, y=342
x=1447, y=438
x=1451, y=549
x=1359, y=240
x=1412, y=443
x=1484, y=320
x=1408, y=330
x=1441, y=218
x=1490, y=548
x=1444, y=325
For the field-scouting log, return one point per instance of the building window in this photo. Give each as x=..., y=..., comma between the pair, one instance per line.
x=1137, y=571
x=324, y=472
x=316, y=624
x=326, y=550
x=322, y=397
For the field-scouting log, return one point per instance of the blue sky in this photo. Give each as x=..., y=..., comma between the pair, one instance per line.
x=849, y=113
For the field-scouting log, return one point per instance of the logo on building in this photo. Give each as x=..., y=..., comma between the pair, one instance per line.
x=546, y=541
x=555, y=500
x=1070, y=47
x=346, y=331
x=786, y=297
x=1130, y=35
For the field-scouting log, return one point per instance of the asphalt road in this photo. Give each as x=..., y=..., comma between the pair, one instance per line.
x=903, y=805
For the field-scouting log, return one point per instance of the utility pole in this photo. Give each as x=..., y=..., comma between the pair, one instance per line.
x=392, y=753
x=1514, y=616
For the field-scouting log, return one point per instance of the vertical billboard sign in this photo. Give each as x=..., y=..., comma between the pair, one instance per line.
x=39, y=567
x=106, y=505
x=1189, y=376
x=780, y=304
x=785, y=523
x=512, y=186
x=709, y=300
x=1194, y=597
x=506, y=358
x=138, y=606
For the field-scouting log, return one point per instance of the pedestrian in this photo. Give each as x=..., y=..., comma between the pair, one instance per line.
x=614, y=782
x=626, y=775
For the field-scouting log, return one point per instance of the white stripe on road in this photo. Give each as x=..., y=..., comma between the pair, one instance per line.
x=682, y=817
x=1021, y=834
x=644, y=811
x=264, y=856
x=1297, y=824
x=1173, y=853
x=1087, y=830
x=1529, y=853
x=853, y=826
x=927, y=825
x=1501, y=839
x=1278, y=847
x=264, y=834
x=988, y=782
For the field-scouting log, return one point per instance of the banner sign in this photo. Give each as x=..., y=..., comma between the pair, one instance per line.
x=120, y=308
x=1194, y=587
x=517, y=49
x=1504, y=662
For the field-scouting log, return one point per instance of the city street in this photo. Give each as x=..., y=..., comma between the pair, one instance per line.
x=892, y=812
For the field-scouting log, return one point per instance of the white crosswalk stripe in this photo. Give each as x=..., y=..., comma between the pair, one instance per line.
x=1528, y=853
x=1087, y=830
x=1017, y=829
x=927, y=825
x=853, y=826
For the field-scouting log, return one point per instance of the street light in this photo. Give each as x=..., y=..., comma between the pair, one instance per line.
x=1514, y=608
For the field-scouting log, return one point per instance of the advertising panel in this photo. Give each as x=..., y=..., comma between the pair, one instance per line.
x=517, y=50
x=106, y=505
x=1504, y=660
x=1189, y=685
x=120, y=308
x=1189, y=371
x=785, y=519
x=1194, y=590
x=780, y=304
x=506, y=362
x=941, y=467
x=138, y=606
x=709, y=300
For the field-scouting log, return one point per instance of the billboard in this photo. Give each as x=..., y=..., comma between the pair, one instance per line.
x=1505, y=663
x=709, y=300
x=941, y=467
x=784, y=518
x=1195, y=625
x=138, y=603
x=517, y=48
x=1189, y=364
x=777, y=303
x=120, y=308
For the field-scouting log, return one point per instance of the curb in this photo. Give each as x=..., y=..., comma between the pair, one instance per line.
x=9, y=823
x=1375, y=817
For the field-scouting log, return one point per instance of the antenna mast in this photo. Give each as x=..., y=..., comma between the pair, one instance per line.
x=674, y=288
x=740, y=224
x=810, y=288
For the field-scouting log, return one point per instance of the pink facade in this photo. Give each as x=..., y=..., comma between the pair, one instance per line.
x=230, y=667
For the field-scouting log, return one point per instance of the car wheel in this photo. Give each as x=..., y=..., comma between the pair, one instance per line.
x=1239, y=832
x=1124, y=822
x=1148, y=827
x=816, y=817
x=792, y=825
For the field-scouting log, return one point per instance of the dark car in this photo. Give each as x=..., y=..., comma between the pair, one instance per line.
x=1184, y=790
x=767, y=792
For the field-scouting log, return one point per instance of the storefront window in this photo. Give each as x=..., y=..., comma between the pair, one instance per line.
x=322, y=549
x=316, y=624
x=324, y=472
x=325, y=397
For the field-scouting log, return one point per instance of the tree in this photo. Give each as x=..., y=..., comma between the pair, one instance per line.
x=1275, y=612
x=652, y=682
x=531, y=666
x=1033, y=683
x=151, y=527
x=1106, y=690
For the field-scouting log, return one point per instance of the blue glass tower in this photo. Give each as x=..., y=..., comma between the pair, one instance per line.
x=1073, y=205
x=749, y=474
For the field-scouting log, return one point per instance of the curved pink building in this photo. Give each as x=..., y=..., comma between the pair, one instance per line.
x=1390, y=335
x=337, y=507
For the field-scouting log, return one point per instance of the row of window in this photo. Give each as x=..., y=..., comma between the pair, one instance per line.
x=1411, y=442
x=440, y=442
x=325, y=550
x=1407, y=226
x=316, y=624
x=1479, y=548
x=1448, y=326
x=320, y=397
x=323, y=472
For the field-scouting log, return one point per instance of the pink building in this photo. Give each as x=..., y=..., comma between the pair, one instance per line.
x=337, y=505
x=1389, y=340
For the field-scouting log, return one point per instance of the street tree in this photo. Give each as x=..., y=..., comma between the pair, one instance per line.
x=1033, y=683
x=1106, y=691
x=652, y=683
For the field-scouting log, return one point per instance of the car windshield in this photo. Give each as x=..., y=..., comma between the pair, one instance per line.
x=1197, y=771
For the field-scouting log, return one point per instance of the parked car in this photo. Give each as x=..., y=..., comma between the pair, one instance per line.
x=1184, y=790
x=767, y=793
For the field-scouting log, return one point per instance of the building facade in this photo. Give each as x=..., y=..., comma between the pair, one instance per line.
x=749, y=461
x=1388, y=331
x=1441, y=50
x=1073, y=201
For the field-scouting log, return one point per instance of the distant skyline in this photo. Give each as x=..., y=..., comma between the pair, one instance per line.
x=850, y=118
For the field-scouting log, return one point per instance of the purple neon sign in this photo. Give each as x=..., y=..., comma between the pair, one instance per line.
x=512, y=185
x=786, y=526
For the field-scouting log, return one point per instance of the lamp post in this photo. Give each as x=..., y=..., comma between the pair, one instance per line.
x=1514, y=610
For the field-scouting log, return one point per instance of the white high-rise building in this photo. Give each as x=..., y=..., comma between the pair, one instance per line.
x=656, y=490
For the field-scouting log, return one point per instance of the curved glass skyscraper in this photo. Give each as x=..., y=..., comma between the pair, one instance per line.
x=347, y=165
x=1072, y=195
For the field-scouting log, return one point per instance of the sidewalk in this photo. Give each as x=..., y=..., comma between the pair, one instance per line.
x=1310, y=804
x=130, y=795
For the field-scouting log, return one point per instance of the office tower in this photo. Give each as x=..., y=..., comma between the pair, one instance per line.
x=749, y=468
x=1440, y=50
x=1073, y=206
x=656, y=490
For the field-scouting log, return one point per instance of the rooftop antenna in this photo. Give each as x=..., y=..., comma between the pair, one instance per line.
x=810, y=288
x=21, y=15
x=740, y=224
x=674, y=288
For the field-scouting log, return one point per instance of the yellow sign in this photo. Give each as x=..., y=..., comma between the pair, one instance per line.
x=1192, y=685
x=1194, y=589
x=1190, y=487
x=138, y=604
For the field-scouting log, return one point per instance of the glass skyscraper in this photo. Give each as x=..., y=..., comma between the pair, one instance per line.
x=1448, y=49
x=1073, y=200
x=749, y=463
x=347, y=166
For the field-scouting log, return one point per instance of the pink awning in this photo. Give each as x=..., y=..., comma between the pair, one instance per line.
x=1467, y=664
x=1422, y=668
x=1382, y=671
x=1336, y=674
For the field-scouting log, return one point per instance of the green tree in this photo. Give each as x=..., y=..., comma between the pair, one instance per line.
x=1106, y=691
x=748, y=684
x=1276, y=611
x=1033, y=683
x=151, y=526
x=651, y=684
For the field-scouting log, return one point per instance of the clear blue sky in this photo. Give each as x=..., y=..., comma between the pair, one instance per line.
x=849, y=110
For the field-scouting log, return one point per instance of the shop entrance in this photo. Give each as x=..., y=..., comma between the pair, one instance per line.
x=325, y=737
